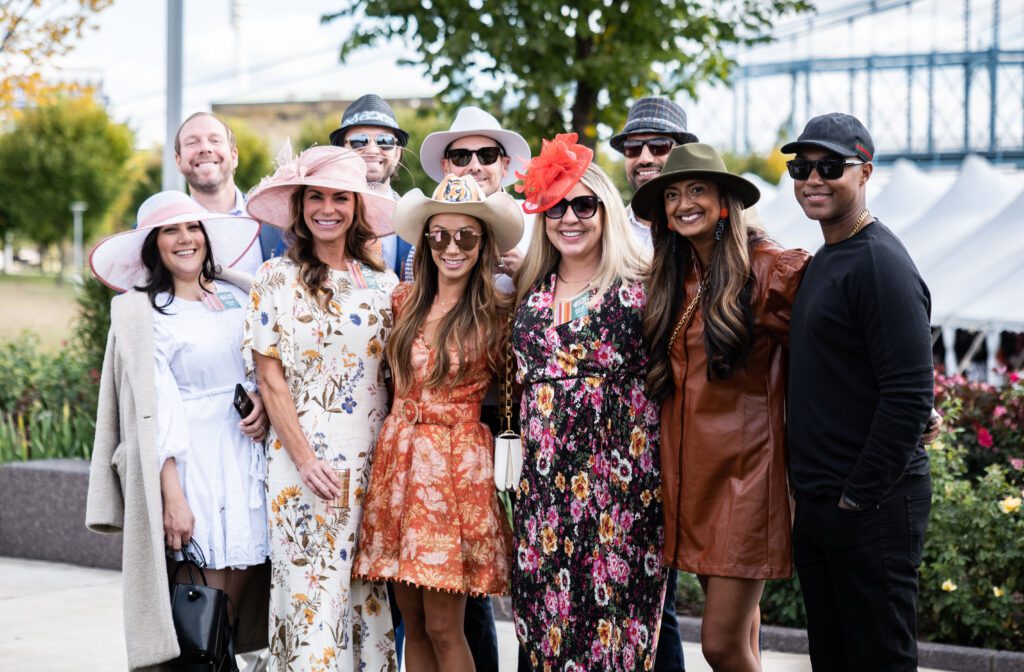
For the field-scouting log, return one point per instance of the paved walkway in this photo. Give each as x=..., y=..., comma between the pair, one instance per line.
x=55, y=618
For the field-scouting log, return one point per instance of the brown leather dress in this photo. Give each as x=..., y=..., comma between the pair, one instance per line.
x=725, y=488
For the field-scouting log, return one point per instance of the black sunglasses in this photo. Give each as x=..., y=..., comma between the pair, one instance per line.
x=464, y=239
x=828, y=169
x=585, y=207
x=462, y=157
x=656, y=146
x=385, y=141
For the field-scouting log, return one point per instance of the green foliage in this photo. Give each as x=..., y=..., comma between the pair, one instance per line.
x=47, y=402
x=93, y=322
x=769, y=168
x=254, y=160
x=783, y=604
x=972, y=577
x=56, y=154
x=538, y=59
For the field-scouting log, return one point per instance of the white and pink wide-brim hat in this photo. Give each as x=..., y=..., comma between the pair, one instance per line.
x=330, y=167
x=117, y=260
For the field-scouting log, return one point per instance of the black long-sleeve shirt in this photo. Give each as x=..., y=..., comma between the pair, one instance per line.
x=861, y=381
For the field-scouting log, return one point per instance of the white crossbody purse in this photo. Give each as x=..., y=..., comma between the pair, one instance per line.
x=508, y=446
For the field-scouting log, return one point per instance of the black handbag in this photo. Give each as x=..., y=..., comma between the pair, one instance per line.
x=201, y=621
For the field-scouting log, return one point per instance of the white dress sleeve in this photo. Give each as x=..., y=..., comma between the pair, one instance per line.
x=172, y=433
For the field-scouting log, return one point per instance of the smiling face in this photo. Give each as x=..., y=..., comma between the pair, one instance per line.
x=381, y=165
x=206, y=157
x=577, y=239
x=453, y=263
x=830, y=201
x=488, y=177
x=643, y=168
x=692, y=208
x=328, y=214
x=182, y=250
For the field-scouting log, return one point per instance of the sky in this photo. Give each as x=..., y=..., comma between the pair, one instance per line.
x=292, y=56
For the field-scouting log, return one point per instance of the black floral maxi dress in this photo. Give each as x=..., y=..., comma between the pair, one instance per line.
x=587, y=581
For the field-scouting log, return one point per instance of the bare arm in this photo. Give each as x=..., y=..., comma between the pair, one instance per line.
x=277, y=399
x=179, y=523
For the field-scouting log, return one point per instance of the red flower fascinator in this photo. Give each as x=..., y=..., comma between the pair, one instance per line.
x=554, y=172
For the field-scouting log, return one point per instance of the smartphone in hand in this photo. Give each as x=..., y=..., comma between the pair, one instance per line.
x=243, y=404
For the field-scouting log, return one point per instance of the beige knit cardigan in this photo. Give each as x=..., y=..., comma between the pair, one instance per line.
x=124, y=480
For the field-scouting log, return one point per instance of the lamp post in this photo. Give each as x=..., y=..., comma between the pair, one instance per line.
x=77, y=208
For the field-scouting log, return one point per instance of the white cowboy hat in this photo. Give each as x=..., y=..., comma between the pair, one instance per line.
x=460, y=195
x=329, y=167
x=117, y=260
x=474, y=121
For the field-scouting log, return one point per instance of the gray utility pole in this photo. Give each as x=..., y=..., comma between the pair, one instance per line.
x=171, y=177
x=77, y=208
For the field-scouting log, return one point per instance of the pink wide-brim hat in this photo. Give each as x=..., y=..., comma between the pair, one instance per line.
x=116, y=261
x=328, y=167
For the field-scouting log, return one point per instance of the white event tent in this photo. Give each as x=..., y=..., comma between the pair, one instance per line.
x=965, y=232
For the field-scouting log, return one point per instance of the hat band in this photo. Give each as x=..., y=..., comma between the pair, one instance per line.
x=371, y=116
x=167, y=212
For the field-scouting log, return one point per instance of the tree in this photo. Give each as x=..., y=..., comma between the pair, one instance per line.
x=57, y=153
x=537, y=59
x=30, y=36
x=253, y=154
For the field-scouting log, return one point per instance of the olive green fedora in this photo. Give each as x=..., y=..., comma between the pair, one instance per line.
x=693, y=161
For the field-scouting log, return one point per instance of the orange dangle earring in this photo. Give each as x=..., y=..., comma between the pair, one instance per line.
x=723, y=218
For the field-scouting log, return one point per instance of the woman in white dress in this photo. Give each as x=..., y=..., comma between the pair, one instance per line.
x=177, y=331
x=315, y=331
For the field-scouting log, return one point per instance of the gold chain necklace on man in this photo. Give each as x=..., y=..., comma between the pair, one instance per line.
x=860, y=220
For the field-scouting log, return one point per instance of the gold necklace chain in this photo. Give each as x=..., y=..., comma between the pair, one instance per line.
x=688, y=312
x=860, y=220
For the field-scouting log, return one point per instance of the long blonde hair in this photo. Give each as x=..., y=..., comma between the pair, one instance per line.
x=474, y=327
x=622, y=258
x=313, y=272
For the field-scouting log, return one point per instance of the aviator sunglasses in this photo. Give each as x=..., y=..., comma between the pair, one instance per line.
x=828, y=169
x=385, y=141
x=584, y=206
x=656, y=146
x=485, y=155
x=464, y=239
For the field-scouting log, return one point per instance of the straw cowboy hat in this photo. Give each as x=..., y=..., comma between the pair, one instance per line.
x=328, y=167
x=116, y=261
x=474, y=121
x=463, y=196
x=692, y=161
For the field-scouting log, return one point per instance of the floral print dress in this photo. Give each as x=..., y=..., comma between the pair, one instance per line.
x=588, y=582
x=322, y=619
x=432, y=516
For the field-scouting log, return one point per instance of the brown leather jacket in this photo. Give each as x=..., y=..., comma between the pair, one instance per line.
x=725, y=488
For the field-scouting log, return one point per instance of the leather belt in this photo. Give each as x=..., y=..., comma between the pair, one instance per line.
x=435, y=413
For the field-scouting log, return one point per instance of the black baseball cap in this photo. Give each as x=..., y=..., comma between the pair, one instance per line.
x=836, y=132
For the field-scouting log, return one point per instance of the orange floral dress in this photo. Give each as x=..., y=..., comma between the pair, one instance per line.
x=431, y=516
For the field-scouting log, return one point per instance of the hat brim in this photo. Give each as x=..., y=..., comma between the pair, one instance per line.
x=116, y=261
x=680, y=138
x=337, y=136
x=272, y=204
x=795, y=146
x=432, y=151
x=649, y=197
x=499, y=212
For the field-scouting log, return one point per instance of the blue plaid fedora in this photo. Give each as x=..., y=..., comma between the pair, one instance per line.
x=655, y=115
x=368, y=110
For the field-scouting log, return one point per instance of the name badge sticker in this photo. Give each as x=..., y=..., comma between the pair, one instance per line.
x=572, y=309
x=228, y=300
x=211, y=301
x=363, y=276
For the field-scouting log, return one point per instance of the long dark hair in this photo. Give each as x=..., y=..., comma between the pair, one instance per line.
x=474, y=327
x=726, y=303
x=313, y=273
x=160, y=279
